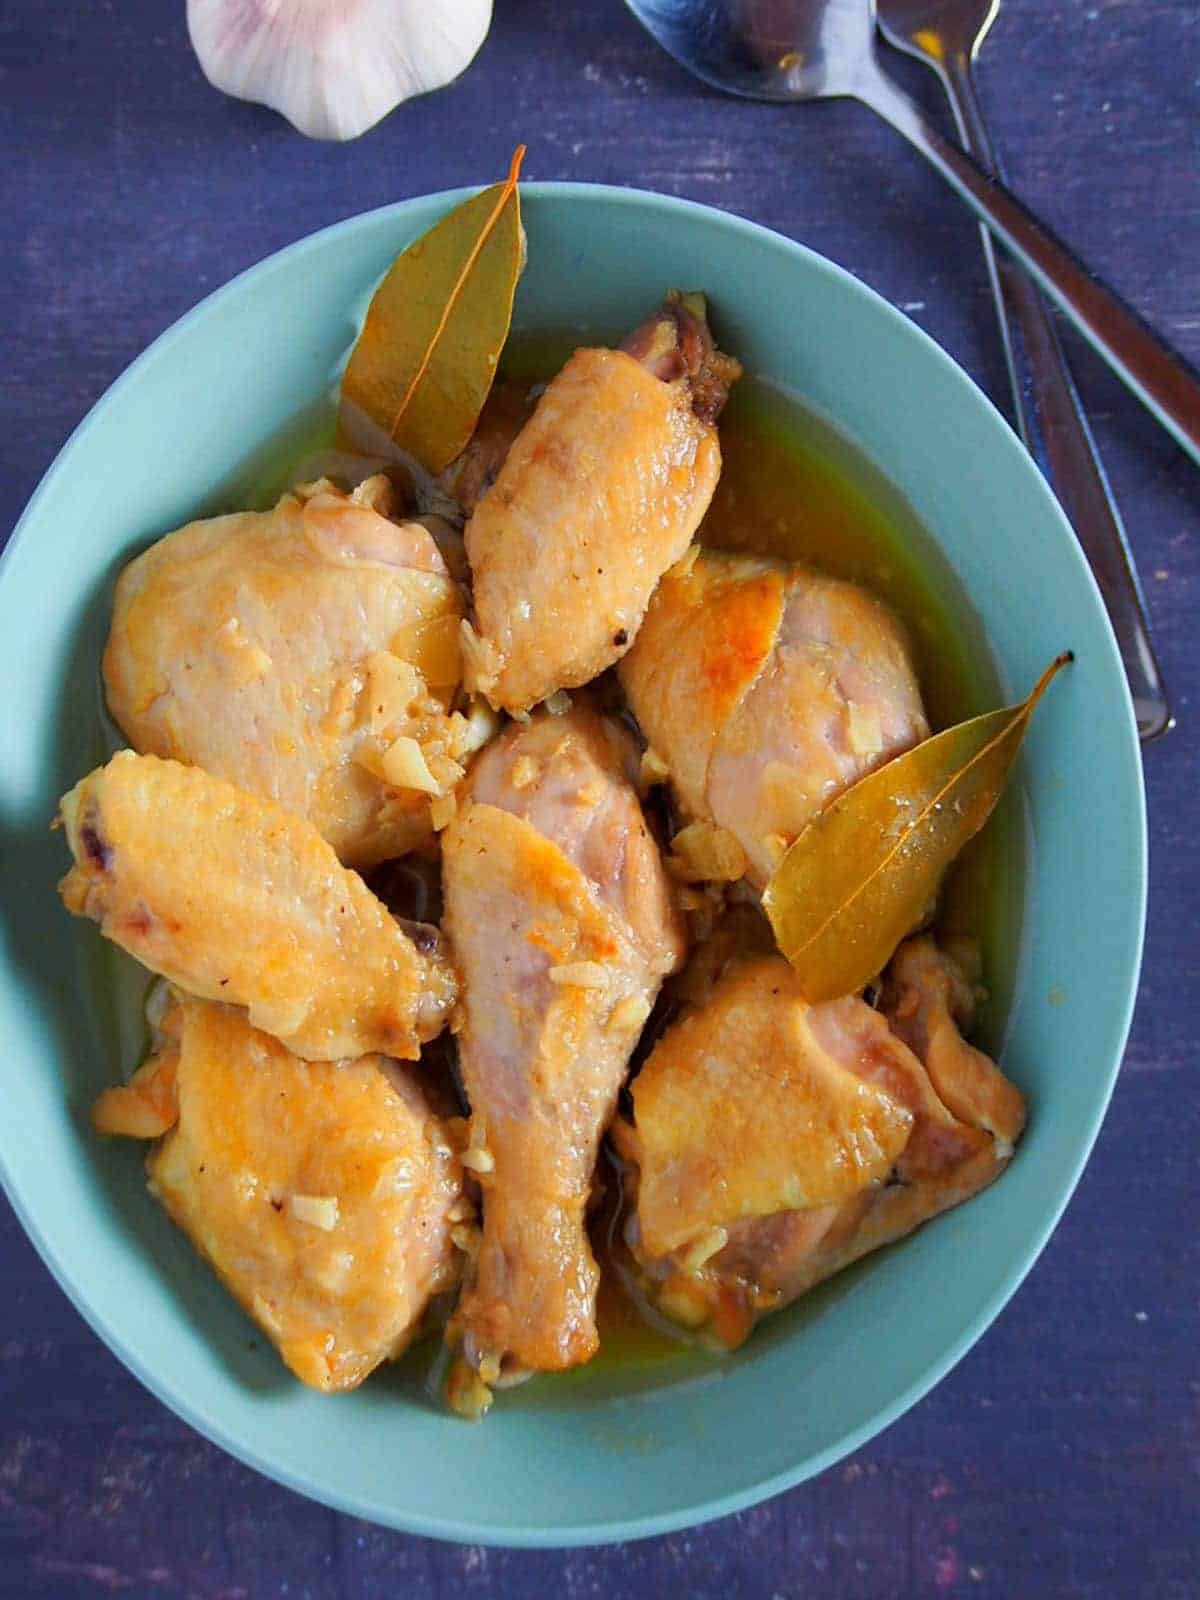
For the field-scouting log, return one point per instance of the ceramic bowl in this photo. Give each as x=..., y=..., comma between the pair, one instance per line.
x=656, y=1444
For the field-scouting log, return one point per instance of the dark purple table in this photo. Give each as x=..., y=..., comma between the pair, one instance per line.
x=1062, y=1457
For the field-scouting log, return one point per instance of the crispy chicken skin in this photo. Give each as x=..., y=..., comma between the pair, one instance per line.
x=600, y=492
x=563, y=928
x=272, y=649
x=320, y=1192
x=767, y=689
x=774, y=1141
x=234, y=899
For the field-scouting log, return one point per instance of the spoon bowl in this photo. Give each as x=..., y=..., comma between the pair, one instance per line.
x=938, y=31
x=776, y=50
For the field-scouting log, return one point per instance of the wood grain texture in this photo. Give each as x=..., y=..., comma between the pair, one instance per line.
x=1062, y=1457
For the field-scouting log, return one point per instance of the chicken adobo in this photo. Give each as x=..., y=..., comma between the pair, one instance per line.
x=405, y=674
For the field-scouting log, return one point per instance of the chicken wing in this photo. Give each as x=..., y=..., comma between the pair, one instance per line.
x=289, y=651
x=322, y=1193
x=600, y=492
x=775, y=1141
x=234, y=899
x=765, y=690
x=563, y=927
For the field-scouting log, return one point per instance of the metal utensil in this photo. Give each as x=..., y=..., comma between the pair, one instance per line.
x=787, y=50
x=946, y=35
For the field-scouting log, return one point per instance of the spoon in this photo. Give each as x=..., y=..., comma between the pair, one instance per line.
x=787, y=50
x=946, y=35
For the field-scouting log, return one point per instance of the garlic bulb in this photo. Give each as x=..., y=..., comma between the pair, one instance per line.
x=335, y=67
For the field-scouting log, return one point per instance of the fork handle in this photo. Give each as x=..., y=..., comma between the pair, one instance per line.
x=1160, y=378
x=1055, y=429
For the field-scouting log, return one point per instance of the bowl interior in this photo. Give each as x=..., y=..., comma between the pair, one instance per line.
x=652, y=1447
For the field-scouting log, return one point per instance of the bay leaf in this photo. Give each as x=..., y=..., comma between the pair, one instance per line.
x=433, y=333
x=866, y=871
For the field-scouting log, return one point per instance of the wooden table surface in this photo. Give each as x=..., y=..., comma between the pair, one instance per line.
x=1062, y=1457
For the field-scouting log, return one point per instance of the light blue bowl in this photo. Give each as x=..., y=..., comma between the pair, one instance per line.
x=581, y=1459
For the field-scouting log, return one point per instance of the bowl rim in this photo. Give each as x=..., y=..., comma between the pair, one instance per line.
x=462, y=1529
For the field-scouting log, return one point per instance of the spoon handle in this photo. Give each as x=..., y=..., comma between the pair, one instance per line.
x=1160, y=378
x=1055, y=429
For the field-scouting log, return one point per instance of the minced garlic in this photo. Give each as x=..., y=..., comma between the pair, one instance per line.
x=443, y=809
x=393, y=687
x=866, y=729
x=630, y=1013
x=524, y=772
x=481, y=724
x=683, y=1304
x=652, y=771
x=319, y=1210
x=466, y=1393
x=702, y=1248
x=480, y=659
x=404, y=766
x=702, y=853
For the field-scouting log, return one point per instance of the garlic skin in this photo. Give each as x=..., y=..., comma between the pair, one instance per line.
x=333, y=68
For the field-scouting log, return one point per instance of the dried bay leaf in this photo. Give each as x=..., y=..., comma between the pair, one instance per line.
x=866, y=870
x=433, y=333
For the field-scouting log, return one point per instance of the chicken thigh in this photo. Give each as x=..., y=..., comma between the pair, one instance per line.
x=774, y=1141
x=322, y=1193
x=765, y=690
x=292, y=652
x=600, y=492
x=234, y=899
x=563, y=927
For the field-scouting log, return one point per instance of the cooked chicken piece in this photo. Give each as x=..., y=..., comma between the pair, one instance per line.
x=746, y=1108
x=300, y=653
x=765, y=690
x=601, y=491
x=321, y=1192
x=146, y=1106
x=929, y=998
x=563, y=928
x=234, y=899
x=775, y=1141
